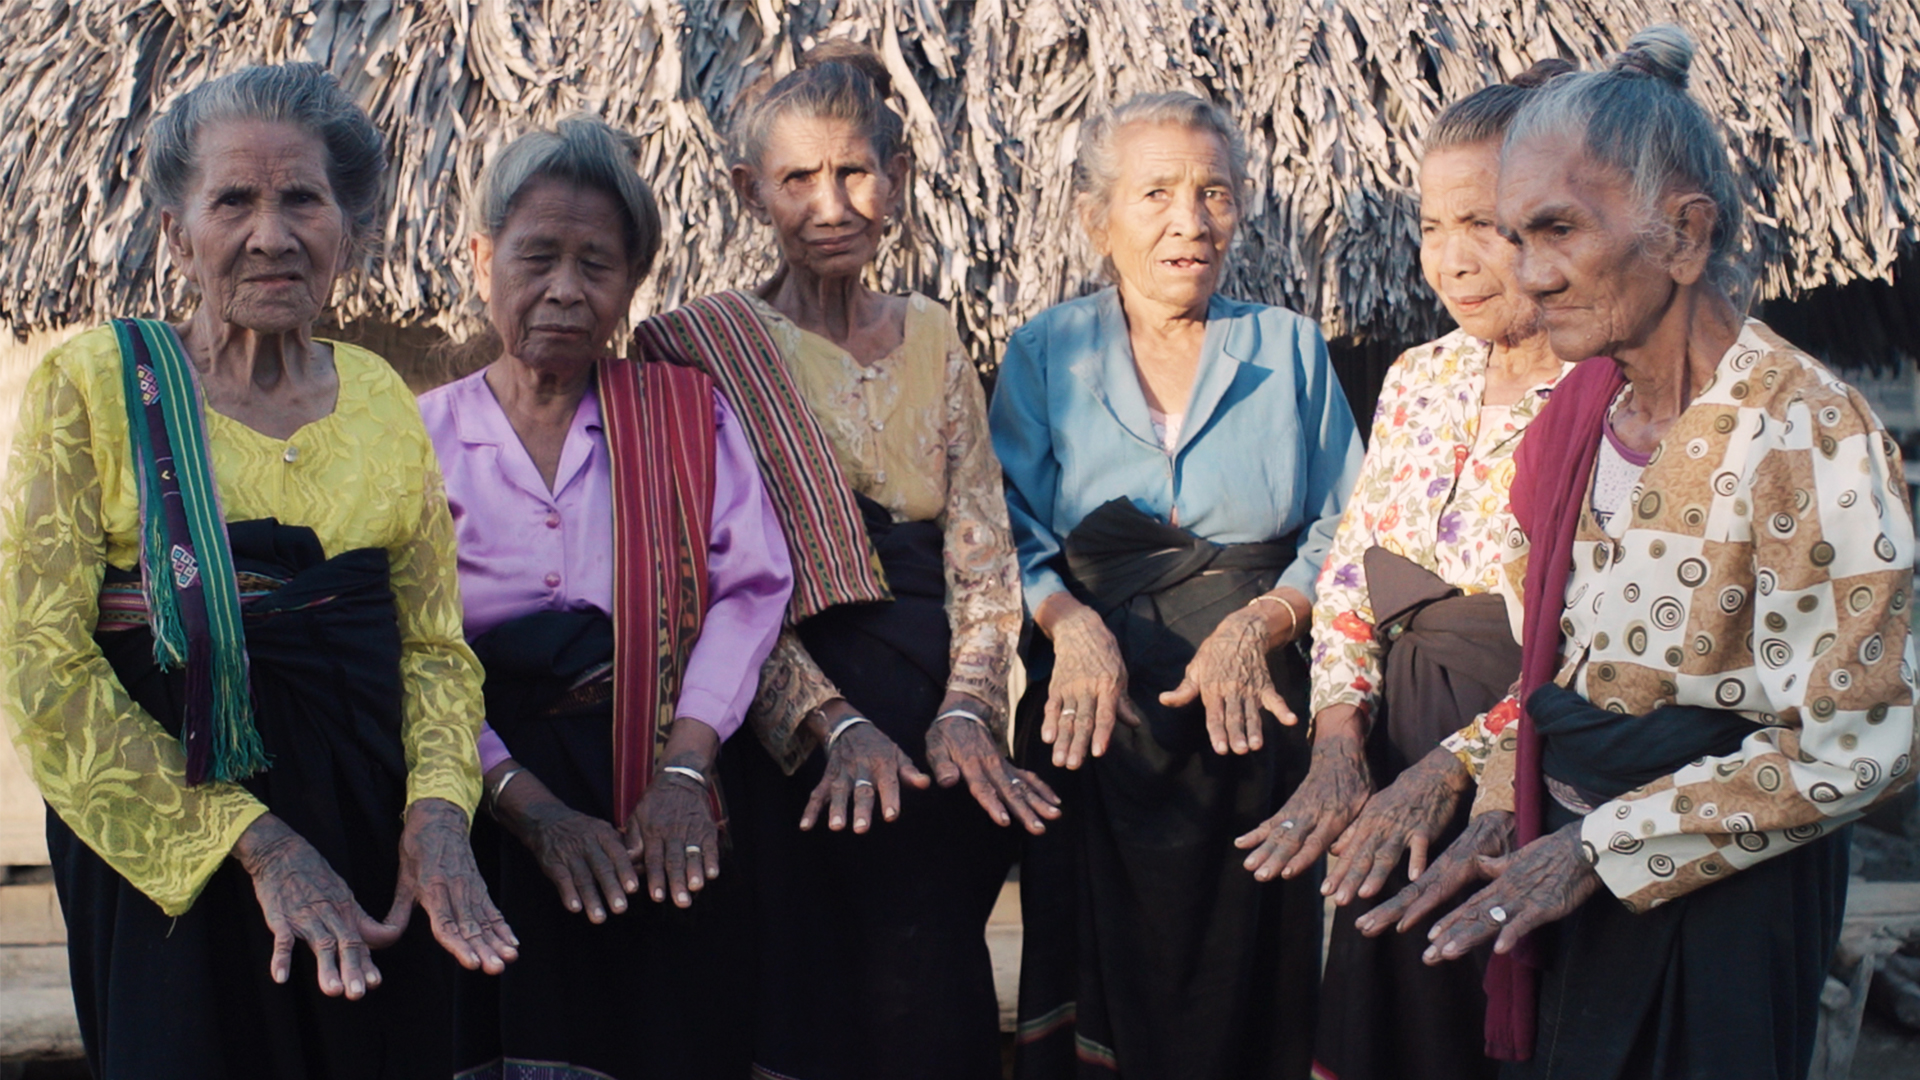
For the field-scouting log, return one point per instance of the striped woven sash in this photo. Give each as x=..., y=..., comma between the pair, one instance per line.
x=660, y=439
x=186, y=564
x=833, y=560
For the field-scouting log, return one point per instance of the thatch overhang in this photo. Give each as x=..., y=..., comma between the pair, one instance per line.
x=1818, y=97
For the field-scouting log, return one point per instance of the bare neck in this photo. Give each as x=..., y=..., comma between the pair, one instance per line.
x=836, y=308
x=1516, y=365
x=1667, y=370
x=540, y=404
x=233, y=361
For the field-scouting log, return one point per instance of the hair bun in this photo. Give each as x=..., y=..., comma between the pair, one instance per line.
x=1663, y=51
x=1542, y=72
x=851, y=54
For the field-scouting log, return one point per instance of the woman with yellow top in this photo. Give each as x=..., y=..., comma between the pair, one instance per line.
x=231, y=636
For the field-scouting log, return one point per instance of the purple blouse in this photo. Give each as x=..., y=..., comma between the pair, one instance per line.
x=525, y=549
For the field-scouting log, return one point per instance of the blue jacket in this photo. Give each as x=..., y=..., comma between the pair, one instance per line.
x=1268, y=446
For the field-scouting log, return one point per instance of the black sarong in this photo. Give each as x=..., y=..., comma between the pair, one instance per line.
x=1148, y=950
x=1384, y=1014
x=1720, y=984
x=652, y=992
x=159, y=997
x=873, y=955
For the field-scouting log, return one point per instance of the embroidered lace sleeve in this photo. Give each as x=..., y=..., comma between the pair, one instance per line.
x=983, y=577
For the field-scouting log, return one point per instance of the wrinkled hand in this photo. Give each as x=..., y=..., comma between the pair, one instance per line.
x=1541, y=883
x=585, y=857
x=1406, y=817
x=1336, y=787
x=862, y=765
x=959, y=748
x=437, y=872
x=303, y=899
x=1489, y=835
x=672, y=831
x=1229, y=674
x=1088, y=691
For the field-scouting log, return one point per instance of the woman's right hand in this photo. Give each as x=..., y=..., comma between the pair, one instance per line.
x=585, y=857
x=1488, y=836
x=1408, y=816
x=863, y=766
x=1088, y=690
x=303, y=899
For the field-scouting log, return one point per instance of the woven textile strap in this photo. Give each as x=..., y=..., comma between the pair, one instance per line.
x=660, y=438
x=833, y=560
x=186, y=564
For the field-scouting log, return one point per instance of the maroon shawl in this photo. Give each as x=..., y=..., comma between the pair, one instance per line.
x=1552, y=468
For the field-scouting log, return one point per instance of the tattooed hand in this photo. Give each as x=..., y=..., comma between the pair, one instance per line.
x=1336, y=787
x=1229, y=674
x=1488, y=835
x=962, y=749
x=863, y=766
x=1088, y=691
x=1541, y=883
x=1406, y=817
x=303, y=899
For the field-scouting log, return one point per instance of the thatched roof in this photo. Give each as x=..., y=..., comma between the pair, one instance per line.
x=1818, y=97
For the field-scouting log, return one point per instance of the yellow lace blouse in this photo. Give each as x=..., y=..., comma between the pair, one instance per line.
x=365, y=476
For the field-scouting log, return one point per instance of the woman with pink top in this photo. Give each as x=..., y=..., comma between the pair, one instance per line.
x=623, y=578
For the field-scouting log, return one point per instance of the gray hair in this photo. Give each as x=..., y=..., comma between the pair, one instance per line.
x=1096, y=167
x=583, y=151
x=304, y=95
x=1637, y=117
x=835, y=80
x=1484, y=115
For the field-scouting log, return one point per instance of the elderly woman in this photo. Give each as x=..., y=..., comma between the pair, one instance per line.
x=620, y=648
x=1176, y=463
x=870, y=424
x=231, y=629
x=1716, y=667
x=1411, y=626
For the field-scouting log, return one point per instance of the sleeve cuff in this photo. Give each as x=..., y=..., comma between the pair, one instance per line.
x=709, y=709
x=459, y=786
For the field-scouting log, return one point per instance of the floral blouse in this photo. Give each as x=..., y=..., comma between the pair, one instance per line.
x=1764, y=565
x=1434, y=490
x=363, y=476
x=909, y=432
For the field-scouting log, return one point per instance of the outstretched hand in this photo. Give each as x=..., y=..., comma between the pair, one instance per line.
x=962, y=749
x=303, y=899
x=1229, y=675
x=1489, y=835
x=1336, y=787
x=1088, y=690
x=1541, y=883
x=1406, y=817
x=437, y=872
x=863, y=767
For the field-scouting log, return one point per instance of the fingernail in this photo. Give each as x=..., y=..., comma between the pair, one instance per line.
x=837, y=821
x=1326, y=888
x=684, y=898
x=890, y=814
x=860, y=823
x=356, y=988
x=659, y=894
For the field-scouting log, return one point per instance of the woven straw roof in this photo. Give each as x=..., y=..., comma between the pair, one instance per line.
x=1818, y=98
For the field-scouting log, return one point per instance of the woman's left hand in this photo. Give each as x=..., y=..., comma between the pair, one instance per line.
x=672, y=830
x=1541, y=883
x=437, y=871
x=1229, y=674
x=958, y=747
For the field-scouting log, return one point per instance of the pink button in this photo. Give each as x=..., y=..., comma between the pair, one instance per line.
x=553, y=521
x=553, y=581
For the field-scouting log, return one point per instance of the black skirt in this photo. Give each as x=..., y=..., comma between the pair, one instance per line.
x=161, y=997
x=872, y=949
x=655, y=991
x=1149, y=952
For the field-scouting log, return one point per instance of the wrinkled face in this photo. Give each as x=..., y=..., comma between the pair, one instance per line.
x=1170, y=215
x=825, y=193
x=1465, y=259
x=1575, y=226
x=556, y=280
x=259, y=232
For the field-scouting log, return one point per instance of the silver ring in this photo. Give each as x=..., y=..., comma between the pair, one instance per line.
x=693, y=849
x=861, y=781
x=1015, y=782
x=1286, y=824
x=1066, y=713
x=1498, y=914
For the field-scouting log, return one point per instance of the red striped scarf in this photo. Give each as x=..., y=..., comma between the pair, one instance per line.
x=833, y=561
x=660, y=439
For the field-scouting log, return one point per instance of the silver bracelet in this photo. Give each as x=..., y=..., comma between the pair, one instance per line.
x=840, y=729
x=968, y=713
x=500, y=785
x=689, y=772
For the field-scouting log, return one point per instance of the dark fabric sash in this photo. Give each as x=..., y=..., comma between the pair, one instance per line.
x=722, y=335
x=1162, y=590
x=550, y=693
x=1553, y=467
x=660, y=439
x=186, y=566
x=857, y=643
x=1602, y=754
x=1446, y=656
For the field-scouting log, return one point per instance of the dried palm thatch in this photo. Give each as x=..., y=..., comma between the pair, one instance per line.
x=1818, y=99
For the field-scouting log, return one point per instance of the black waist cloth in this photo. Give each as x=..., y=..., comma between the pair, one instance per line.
x=1148, y=950
x=1384, y=1014
x=652, y=992
x=872, y=950
x=1723, y=982
x=191, y=997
